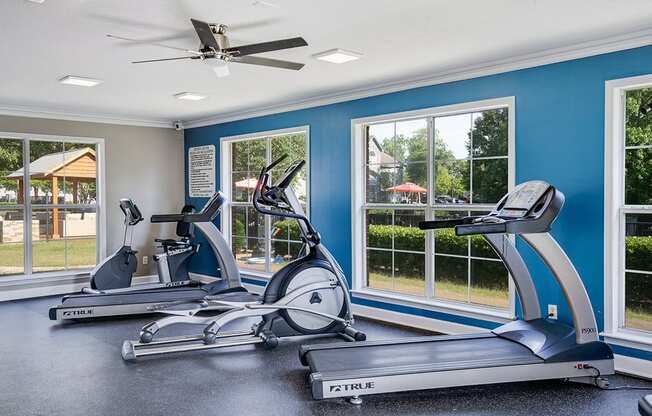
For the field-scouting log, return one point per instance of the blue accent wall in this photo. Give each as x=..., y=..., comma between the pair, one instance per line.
x=559, y=138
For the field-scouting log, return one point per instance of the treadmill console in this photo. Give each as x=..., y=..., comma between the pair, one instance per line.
x=523, y=199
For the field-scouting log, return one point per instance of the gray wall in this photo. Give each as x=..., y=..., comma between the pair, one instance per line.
x=142, y=163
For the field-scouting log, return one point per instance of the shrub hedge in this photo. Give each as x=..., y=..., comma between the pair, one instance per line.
x=485, y=274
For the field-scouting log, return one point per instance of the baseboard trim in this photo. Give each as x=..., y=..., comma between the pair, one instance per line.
x=633, y=366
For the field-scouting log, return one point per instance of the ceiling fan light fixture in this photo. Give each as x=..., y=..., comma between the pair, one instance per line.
x=189, y=96
x=338, y=56
x=80, y=81
x=219, y=66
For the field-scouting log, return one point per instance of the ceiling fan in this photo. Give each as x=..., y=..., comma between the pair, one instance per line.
x=215, y=50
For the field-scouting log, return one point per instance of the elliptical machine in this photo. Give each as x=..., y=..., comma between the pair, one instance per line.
x=308, y=296
x=116, y=271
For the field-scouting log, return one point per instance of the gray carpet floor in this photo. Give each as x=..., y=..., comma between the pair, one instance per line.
x=49, y=368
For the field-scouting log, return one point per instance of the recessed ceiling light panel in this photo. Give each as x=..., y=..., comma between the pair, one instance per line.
x=189, y=96
x=338, y=56
x=80, y=81
x=36, y=1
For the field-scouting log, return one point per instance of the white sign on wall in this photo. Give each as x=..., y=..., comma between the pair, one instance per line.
x=201, y=171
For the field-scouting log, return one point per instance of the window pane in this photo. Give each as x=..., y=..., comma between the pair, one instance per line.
x=379, y=179
x=380, y=144
x=490, y=133
x=12, y=242
x=638, y=242
x=452, y=181
x=638, y=176
x=407, y=235
x=638, y=301
x=379, y=228
x=249, y=253
x=285, y=229
x=411, y=141
x=409, y=273
x=79, y=173
x=79, y=230
x=451, y=278
x=48, y=246
x=284, y=252
x=292, y=145
x=238, y=220
x=452, y=136
x=11, y=171
x=249, y=155
x=411, y=184
x=379, y=269
x=489, y=180
x=46, y=171
x=446, y=242
x=638, y=128
x=489, y=283
x=243, y=185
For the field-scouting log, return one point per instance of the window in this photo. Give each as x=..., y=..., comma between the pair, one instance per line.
x=48, y=204
x=261, y=244
x=628, y=228
x=430, y=164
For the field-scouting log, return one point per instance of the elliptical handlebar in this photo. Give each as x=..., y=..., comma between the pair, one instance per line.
x=266, y=195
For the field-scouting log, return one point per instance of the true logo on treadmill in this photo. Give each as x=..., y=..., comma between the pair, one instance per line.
x=352, y=386
x=78, y=312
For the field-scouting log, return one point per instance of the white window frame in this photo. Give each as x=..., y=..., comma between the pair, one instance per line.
x=100, y=236
x=359, y=204
x=615, y=210
x=225, y=182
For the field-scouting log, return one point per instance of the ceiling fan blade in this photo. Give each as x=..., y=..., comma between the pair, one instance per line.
x=276, y=63
x=164, y=59
x=205, y=34
x=153, y=44
x=274, y=45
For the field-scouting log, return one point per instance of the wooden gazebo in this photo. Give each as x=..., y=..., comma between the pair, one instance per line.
x=74, y=166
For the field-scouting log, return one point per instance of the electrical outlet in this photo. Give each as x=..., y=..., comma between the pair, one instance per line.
x=552, y=311
x=145, y=260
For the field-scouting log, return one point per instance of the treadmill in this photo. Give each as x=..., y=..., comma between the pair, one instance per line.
x=150, y=298
x=531, y=348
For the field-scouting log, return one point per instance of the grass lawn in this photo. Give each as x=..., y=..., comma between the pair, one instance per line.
x=638, y=319
x=443, y=289
x=49, y=255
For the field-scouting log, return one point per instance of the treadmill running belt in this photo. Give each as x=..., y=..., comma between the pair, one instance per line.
x=426, y=354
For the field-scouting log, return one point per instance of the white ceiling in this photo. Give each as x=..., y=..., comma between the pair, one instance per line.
x=399, y=39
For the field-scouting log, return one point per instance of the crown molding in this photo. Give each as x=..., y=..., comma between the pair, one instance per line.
x=35, y=112
x=550, y=56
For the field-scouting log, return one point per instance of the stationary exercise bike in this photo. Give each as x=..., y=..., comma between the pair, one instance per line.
x=309, y=296
x=116, y=271
x=172, y=263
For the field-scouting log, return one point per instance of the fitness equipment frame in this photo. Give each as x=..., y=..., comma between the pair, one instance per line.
x=308, y=296
x=141, y=299
x=531, y=348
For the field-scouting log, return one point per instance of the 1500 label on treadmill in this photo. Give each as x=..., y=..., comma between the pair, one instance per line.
x=352, y=386
x=589, y=330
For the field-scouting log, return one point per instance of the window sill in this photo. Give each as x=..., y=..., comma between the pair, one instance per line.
x=629, y=339
x=475, y=312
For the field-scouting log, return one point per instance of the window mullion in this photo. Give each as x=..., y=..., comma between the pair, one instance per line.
x=27, y=212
